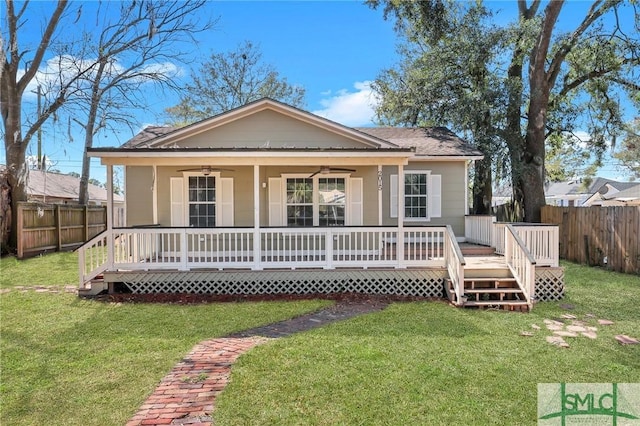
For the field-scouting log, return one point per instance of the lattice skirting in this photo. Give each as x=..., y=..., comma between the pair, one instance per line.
x=403, y=282
x=549, y=284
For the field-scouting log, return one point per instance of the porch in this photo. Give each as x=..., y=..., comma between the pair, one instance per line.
x=424, y=261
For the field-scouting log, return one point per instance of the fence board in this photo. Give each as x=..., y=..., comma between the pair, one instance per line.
x=50, y=227
x=603, y=236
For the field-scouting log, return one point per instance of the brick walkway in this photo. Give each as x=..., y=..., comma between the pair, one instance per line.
x=187, y=394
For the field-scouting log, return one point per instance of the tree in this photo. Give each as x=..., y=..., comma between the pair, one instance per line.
x=18, y=70
x=446, y=80
x=554, y=82
x=229, y=80
x=138, y=48
x=629, y=152
x=83, y=72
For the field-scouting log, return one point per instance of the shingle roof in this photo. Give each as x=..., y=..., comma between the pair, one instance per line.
x=56, y=185
x=574, y=187
x=428, y=141
x=147, y=134
x=434, y=141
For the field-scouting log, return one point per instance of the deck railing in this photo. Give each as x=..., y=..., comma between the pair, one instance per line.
x=520, y=262
x=147, y=248
x=93, y=257
x=479, y=229
x=455, y=263
x=542, y=241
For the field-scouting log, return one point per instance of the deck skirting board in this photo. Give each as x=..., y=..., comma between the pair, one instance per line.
x=408, y=282
x=549, y=284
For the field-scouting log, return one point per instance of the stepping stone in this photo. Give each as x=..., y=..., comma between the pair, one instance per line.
x=623, y=339
x=592, y=328
x=589, y=316
x=576, y=328
x=567, y=306
x=563, y=333
x=526, y=333
x=5, y=290
x=590, y=334
x=580, y=323
x=535, y=326
x=605, y=322
x=553, y=322
x=568, y=316
x=555, y=327
x=558, y=341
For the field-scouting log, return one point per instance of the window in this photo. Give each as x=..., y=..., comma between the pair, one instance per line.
x=422, y=196
x=299, y=202
x=331, y=204
x=415, y=196
x=202, y=201
x=316, y=201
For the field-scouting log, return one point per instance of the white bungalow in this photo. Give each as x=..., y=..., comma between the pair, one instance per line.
x=267, y=198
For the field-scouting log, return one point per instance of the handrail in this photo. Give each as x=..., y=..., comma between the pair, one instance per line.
x=521, y=263
x=455, y=263
x=93, y=257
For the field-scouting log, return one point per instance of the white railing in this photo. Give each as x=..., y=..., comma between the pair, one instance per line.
x=520, y=262
x=455, y=263
x=149, y=248
x=93, y=258
x=479, y=229
x=541, y=240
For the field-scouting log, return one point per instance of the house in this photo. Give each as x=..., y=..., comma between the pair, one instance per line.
x=268, y=198
x=615, y=194
x=57, y=188
x=575, y=192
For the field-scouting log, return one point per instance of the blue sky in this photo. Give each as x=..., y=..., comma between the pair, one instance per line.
x=332, y=48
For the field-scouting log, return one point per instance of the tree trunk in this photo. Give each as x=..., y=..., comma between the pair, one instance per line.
x=482, y=191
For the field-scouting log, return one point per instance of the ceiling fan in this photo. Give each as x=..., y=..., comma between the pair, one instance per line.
x=206, y=170
x=325, y=170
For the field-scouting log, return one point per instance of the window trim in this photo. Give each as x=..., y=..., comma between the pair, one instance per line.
x=427, y=196
x=315, y=196
x=217, y=204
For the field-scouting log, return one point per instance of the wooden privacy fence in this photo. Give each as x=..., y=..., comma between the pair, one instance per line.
x=56, y=227
x=604, y=236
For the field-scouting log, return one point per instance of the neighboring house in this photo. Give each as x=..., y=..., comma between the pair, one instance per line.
x=57, y=188
x=576, y=192
x=616, y=194
x=268, y=187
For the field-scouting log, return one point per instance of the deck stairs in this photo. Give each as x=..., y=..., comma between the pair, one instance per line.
x=488, y=281
x=94, y=287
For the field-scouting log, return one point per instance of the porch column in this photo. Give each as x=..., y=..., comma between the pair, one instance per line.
x=110, y=215
x=154, y=193
x=379, y=195
x=256, y=218
x=400, y=240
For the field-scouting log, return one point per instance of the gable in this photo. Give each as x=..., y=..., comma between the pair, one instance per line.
x=268, y=129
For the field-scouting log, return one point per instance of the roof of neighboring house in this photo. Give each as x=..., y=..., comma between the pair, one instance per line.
x=577, y=187
x=57, y=185
x=431, y=141
x=632, y=192
x=435, y=141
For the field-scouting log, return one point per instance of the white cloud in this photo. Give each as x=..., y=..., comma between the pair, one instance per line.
x=355, y=108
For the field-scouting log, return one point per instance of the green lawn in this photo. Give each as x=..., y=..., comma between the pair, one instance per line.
x=75, y=362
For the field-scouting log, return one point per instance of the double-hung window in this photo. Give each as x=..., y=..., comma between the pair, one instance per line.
x=318, y=201
x=202, y=201
x=416, y=195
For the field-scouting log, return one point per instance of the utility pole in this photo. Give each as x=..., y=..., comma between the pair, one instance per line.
x=40, y=160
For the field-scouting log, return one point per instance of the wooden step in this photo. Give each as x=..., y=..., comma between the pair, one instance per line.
x=489, y=279
x=492, y=290
x=494, y=302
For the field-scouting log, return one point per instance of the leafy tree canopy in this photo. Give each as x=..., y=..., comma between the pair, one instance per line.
x=229, y=80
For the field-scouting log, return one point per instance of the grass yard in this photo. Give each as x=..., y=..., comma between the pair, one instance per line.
x=67, y=361
x=75, y=362
x=429, y=363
